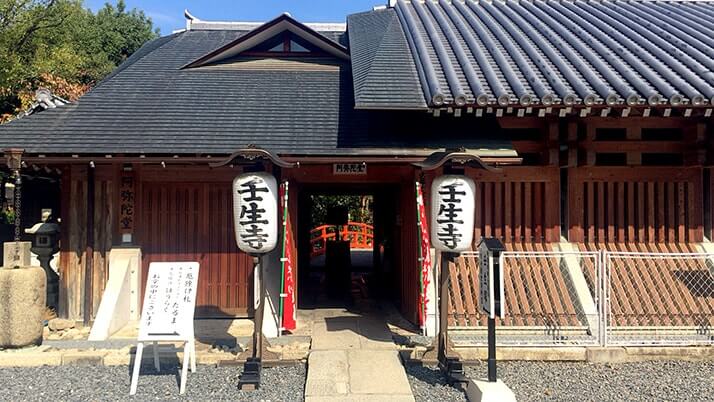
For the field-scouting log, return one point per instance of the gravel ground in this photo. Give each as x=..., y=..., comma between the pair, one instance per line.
x=83, y=383
x=561, y=381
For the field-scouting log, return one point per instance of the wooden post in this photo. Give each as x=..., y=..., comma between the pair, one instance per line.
x=89, y=252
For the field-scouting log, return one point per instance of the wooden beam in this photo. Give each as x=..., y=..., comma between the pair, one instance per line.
x=635, y=146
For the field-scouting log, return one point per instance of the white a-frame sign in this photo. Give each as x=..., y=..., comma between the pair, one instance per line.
x=167, y=316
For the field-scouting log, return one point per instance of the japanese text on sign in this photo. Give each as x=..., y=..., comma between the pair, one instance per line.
x=126, y=202
x=169, y=300
x=349, y=168
x=452, y=213
x=255, y=212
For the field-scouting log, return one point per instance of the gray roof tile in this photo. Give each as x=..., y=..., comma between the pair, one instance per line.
x=561, y=52
x=383, y=71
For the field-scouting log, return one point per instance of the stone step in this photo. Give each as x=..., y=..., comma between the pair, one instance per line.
x=356, y=375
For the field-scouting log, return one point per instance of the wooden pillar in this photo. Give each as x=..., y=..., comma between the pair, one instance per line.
x=89, y=254
x=65, y=251
x=572, y=144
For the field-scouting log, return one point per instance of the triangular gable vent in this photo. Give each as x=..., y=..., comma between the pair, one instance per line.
x=282, y=35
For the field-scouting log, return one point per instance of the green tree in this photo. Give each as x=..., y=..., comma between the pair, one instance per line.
x=61, y=45
x=359, y=207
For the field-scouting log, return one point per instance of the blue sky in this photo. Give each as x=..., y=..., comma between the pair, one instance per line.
x=168, y=14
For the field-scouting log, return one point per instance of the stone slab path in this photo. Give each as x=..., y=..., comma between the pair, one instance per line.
x=353, y=358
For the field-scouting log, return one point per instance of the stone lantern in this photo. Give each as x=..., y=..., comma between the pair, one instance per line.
x=45, y=243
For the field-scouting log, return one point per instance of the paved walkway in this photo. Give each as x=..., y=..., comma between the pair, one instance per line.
x=353, y=358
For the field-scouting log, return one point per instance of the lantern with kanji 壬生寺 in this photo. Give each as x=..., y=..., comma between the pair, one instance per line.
x=255, y=212
x=452, y=213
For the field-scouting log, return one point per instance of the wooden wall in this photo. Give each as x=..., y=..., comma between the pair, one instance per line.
x=644, y=204
x=73, y=252
x=519, y=204
x=186, y=215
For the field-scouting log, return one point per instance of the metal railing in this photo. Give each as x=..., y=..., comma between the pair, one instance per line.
x=573, y=298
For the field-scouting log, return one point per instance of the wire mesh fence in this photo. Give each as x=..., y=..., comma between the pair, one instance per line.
x=563, y=298
x=551, y=299
x=659, y=298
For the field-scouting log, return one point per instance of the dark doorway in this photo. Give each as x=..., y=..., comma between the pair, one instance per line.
x=346, y=245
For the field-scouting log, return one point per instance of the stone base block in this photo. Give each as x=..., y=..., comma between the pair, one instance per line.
x=484, y=391
x=22, y=306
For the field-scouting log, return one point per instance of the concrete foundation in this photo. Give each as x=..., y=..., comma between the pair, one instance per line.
x=484, y=391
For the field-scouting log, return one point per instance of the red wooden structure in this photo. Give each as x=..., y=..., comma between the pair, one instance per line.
x=360, y=235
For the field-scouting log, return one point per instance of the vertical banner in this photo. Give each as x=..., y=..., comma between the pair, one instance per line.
x=424, y=257
x=288, y=299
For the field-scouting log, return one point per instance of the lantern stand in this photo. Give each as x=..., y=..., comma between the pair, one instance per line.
x=252, y=158
x=452, y=161
x=451, y=366
x=250, y=378
x=491, y=390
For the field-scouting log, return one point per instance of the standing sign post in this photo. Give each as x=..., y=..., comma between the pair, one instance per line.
x=491, y=302
x=255, y=216
x=491, y=293
x=452, y=229
x=167, y=315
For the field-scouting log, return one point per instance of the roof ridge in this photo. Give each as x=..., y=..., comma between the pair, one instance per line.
x=379, y=48
x=393, y=20
x=192, y=20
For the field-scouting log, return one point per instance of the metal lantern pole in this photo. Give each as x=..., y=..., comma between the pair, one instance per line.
x=250, y=379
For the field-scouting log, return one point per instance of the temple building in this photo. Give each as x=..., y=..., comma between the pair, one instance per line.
x=585, y=126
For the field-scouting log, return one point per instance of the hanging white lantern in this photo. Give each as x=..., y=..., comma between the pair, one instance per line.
x=452, y=213
x=255, y=212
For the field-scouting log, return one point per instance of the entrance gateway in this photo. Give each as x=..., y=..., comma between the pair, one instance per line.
x=610, y=156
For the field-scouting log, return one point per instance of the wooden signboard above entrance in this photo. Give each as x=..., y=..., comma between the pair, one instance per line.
x=349, y=168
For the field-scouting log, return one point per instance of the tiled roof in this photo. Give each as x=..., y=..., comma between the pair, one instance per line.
x=561, y=52
x=150, y=105
x=383, y=70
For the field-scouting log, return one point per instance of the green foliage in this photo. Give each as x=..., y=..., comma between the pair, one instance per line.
x=359, y=207
x=61, y=45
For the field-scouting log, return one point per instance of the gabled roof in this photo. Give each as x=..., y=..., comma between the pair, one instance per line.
x=267, y=31
x=527, y=52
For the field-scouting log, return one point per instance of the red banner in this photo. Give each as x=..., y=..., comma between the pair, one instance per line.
x=288, y=299
x=425, y=255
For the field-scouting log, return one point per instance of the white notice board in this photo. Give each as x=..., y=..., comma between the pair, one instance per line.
x=169, y=301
